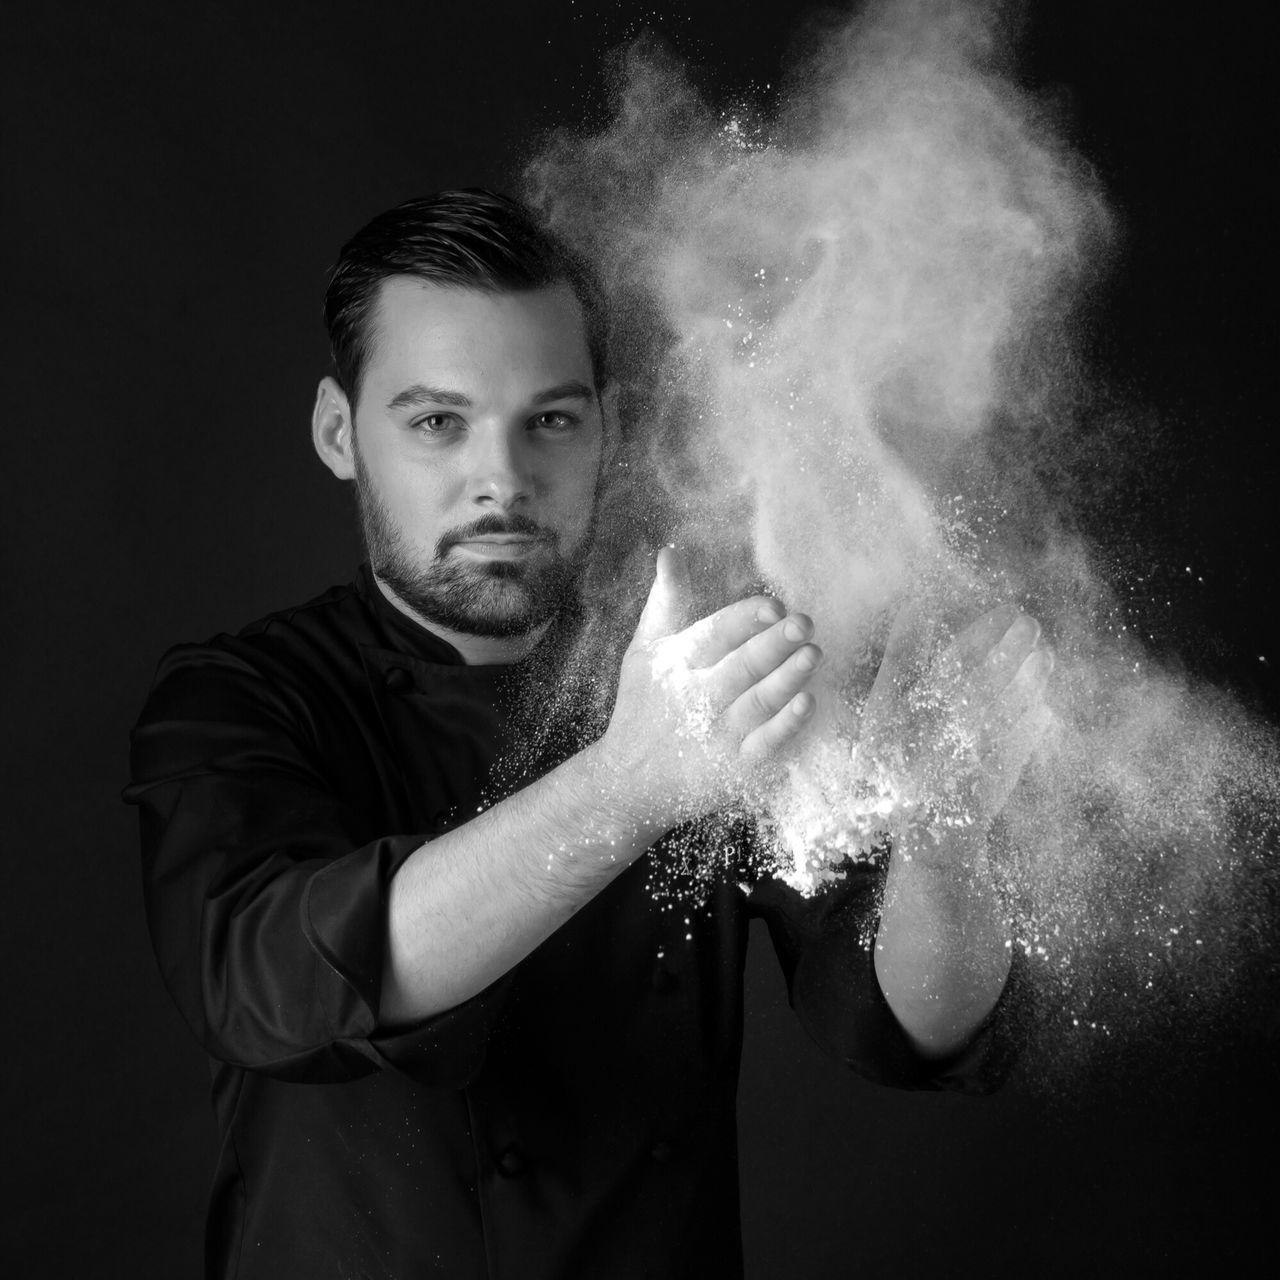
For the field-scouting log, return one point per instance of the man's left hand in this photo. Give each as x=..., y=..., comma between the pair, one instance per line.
x=959, y=728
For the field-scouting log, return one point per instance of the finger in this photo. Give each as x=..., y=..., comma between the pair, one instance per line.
x=764, y=698
x=710, y=639
x=1006, y=660
x=1024, y=692
x=1002, y=769
x=977, y=640
x=906, y=658
x=776, y=733
x=761, y=655
x=668, y=603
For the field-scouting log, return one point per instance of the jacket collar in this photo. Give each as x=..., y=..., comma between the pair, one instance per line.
x=409, y=637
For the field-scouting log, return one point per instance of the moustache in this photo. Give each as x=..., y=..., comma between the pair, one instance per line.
x=490, y=525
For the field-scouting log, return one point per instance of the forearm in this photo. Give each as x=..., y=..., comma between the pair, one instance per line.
x=468, y=906
x=942, y=953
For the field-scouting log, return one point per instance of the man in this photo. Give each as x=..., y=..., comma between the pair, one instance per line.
x=454, y=1031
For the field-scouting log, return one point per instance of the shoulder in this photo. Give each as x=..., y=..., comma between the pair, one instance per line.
x=339, y=611
x=281, y=665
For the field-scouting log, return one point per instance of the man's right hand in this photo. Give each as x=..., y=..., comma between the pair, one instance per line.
x=700, y=708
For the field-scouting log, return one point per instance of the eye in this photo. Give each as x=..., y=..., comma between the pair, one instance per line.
x=554, y=421
x=435, y=424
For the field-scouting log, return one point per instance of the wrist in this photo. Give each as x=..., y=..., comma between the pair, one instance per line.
x=614, y=801
x=941, y=852
x=619, y=793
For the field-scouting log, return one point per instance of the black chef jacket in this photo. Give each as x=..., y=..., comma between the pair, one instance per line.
x=576, y=1119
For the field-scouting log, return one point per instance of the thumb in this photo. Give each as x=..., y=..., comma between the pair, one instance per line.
x=904, y=662
x=668, y=602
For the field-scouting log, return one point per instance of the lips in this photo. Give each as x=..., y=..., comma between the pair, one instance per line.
x=496, y=537
x=501, y=546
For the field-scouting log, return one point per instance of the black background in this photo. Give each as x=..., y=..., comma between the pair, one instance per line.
x=177, y=178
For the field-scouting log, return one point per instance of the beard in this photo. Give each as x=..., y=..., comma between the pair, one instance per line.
x=495, y=598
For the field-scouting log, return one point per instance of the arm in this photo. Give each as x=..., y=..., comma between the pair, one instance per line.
x=697, y=709
x=469, y=905
x=943, y=949
x=298, y=937
x=826, y=947
x=942, y=952
x=263, y=882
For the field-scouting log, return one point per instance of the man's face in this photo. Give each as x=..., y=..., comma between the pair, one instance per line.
x=478, y=448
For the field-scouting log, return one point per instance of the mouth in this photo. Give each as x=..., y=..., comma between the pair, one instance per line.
x=500, y=546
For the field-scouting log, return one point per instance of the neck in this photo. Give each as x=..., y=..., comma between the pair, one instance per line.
x=476, y=651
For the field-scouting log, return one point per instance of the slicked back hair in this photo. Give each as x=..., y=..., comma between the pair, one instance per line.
x=473, y=239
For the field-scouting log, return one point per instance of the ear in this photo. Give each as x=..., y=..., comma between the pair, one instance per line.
x=610, y=422
x=333, y=430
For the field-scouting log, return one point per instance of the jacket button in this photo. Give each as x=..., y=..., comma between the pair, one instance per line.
x=663, y=978
x=398, y=679
x=661, y=1151
x=511, y=1163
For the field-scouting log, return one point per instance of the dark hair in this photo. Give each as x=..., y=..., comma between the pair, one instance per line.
x=474, y=239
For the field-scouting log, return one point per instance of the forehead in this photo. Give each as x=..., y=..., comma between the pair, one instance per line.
x=419, y=328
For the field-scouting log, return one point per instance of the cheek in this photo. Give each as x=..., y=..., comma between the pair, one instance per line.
x=418, y=498
x=583, y=470
x=576, y=491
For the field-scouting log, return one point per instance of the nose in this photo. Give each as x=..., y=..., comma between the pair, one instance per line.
x=501, y=472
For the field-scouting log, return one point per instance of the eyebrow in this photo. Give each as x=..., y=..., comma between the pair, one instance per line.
x=420, y=394
x=565, y=391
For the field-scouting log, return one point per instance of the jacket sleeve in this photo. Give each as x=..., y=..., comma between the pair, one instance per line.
x=825, y=945
x=266, y=892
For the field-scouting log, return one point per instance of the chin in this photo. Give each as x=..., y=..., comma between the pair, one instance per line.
x=491, y=604
x=502, y=599
x=511, y=612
